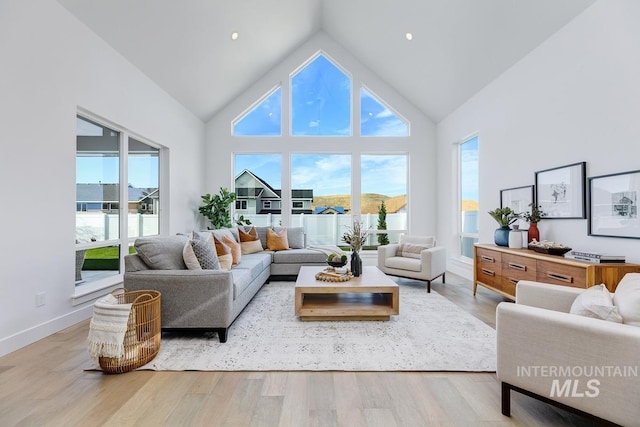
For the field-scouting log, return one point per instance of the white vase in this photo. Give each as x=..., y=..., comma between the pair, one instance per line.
x=515, y=239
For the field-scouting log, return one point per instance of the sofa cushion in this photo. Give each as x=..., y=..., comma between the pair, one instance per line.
x=236, y=251
x=299, y=256
x=277, y=241
x=249, y=241
x=596, y=302
x=412, y=250
x=295, y=237
x=162, y=252
x=241, y=281
x=403, y=263
x=255, y=263
x=231, y=233
x=627, y=299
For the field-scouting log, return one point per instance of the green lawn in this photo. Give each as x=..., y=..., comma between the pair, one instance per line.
x=103, y=258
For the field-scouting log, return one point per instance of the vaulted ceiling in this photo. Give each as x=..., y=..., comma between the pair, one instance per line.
x=458, y=46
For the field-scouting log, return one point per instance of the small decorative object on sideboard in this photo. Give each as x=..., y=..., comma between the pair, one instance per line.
x=533, y=217
x=504, y=217
x=546, y=247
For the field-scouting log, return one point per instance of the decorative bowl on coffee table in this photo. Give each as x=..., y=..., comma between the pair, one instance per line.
x=337, y=264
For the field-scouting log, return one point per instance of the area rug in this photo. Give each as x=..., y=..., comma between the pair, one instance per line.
x=430, y=334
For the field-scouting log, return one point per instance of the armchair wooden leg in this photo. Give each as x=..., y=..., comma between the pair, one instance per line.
x=443, y=274
x=428, y=286
x=506, y=399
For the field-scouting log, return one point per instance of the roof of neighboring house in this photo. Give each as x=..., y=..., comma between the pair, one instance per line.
x=295, y=194
x=329, y=210
x=110, y=193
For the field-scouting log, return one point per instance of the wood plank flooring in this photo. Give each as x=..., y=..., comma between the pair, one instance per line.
x=45, y=384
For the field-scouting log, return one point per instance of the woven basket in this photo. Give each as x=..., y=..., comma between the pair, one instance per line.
x=142, y=339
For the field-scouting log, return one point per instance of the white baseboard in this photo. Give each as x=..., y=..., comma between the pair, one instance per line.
x=460, y=268
x=43, y=330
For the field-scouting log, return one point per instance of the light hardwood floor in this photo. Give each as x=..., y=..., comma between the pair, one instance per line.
x=46, y=384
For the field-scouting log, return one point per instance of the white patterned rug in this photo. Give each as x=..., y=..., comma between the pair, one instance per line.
x=430, y=334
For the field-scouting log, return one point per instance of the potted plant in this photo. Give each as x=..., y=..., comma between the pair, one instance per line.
x=217, y=208
x=504, y=217
x=533, y=217
x=356, y=237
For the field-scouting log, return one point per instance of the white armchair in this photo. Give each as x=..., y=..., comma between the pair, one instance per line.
x=421, y=259
x=581, y=364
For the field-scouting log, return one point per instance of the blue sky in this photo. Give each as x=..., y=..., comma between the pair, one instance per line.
x=143, y=171
x=330, y=174
x=469, y=169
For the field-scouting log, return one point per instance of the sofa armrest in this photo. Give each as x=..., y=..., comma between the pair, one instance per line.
x=188, y=297
x=387, y=251
x=546, y=295
x=539, y=349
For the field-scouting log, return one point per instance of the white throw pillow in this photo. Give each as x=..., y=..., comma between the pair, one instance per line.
x=627, y=299
x=190, y=258
x=596, y=303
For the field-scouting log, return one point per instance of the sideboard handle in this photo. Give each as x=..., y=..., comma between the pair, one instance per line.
x=488, y=272
x=488, y=258
x=561, y=277
x=514, y=281
x=518, y=266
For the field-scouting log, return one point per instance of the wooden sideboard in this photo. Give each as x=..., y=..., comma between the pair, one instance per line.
x=499, y=269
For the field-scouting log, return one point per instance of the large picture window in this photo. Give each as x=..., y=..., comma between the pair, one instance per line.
x=110, y=215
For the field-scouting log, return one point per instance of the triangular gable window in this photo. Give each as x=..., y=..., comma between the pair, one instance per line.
x=263, y=119
x=376, y=119
x=320, y=100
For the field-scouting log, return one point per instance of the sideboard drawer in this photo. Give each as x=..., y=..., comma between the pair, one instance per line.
x=518, y=267
x=489, y=275
x=489, y=258
x=560, y=274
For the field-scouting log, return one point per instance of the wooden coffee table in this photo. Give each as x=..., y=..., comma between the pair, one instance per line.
x=372, y=296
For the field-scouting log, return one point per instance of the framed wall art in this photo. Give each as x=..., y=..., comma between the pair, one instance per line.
x=560, y=192
x=518, y=199
x=613, y=205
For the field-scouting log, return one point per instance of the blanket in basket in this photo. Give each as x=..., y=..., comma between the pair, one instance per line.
x=108, y=327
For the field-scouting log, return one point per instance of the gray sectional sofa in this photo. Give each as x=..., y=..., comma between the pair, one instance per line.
x=210, y=300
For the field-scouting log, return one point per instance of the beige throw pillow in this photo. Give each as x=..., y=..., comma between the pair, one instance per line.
x=224, y=254
x=596, y=302
x=236, y=251
x=249, y=241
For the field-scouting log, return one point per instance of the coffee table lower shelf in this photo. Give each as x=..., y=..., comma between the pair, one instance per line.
x=346, y=306
x=372, y=296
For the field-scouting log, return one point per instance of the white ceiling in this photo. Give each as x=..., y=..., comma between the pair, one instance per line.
x=458, y=46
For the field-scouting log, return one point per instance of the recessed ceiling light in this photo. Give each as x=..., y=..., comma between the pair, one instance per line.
x=408, y=36
x=234, y=36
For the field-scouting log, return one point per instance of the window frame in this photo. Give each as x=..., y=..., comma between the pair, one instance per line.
x=461, y=234
x=91, y=290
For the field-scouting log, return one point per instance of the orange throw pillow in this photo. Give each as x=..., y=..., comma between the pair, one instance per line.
x=236, y=252
x=249, y=241
x=277, y=241
x=224, y=254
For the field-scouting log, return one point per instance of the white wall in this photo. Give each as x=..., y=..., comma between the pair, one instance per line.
x=420, y=146
x=52, y=65
x=574, y=98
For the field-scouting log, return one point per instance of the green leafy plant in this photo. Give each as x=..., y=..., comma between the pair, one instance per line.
x=534, y=215
x=383, y=239
x=217, y=208
x=504, y=216
x=356, y=236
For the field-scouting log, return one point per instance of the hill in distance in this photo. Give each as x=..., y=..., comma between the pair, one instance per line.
x=369, y=204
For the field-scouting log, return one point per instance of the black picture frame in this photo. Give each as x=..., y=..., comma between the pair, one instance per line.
x=518, y=199
x=561, y=191
x=613, y=205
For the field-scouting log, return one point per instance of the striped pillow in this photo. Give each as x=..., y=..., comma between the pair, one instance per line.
x=412, y=250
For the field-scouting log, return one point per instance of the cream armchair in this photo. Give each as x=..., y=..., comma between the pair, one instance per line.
x=581, y=364
x=416, y=262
